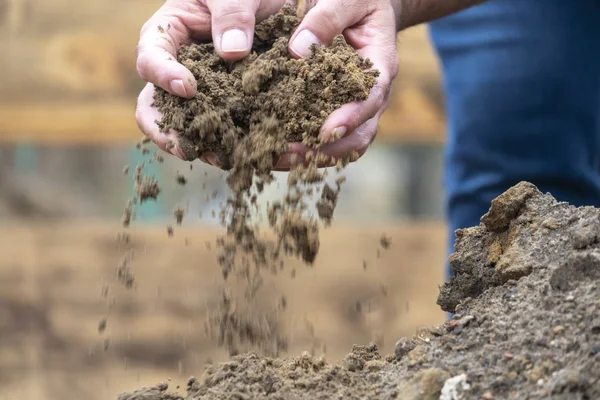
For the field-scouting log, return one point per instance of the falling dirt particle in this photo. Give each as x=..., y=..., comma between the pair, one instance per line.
x=180, y=179
x=106, y=344
x=187, y=241
x=365, y=265
x=384, y=290
x=102, y=324
x=126, y=218
x=159, y=157
x=123, y=237
x=124, y=273
x=293, y=273
x=170, y=231
x=145, y=140
x=145, y=150
x=385, y=241
x=208, y=245
x=214, y=194
x=148, y=189
x=378, y=253
x=126, y=170
x=179, y=213
x=191, y=166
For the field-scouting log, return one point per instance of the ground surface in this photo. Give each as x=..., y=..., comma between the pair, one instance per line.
x=51, y=303
x=527, y=323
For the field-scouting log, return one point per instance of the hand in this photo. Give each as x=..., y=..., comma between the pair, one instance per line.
x=370, y=27
x=179, y=22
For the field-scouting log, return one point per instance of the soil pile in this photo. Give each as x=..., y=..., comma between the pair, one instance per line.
x=526, y=298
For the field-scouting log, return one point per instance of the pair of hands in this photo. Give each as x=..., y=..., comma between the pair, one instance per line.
x=368, y=25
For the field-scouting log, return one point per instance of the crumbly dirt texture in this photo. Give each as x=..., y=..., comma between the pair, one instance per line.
x=526, y=298
x=234, y=100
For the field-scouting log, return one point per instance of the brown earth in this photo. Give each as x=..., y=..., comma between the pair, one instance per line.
x=267, y=99
x=246, y=113
x=526, y=299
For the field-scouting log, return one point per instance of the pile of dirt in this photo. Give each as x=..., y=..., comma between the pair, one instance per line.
x=526, y=298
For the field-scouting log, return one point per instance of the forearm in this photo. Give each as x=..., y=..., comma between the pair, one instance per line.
x=414, y=12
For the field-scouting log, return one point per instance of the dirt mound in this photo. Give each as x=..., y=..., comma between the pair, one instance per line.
x=526, y=299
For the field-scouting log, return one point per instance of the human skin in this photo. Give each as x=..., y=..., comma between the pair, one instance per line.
x=369, y=26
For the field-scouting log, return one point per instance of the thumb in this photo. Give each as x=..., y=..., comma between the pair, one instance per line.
x=323, y=22
x=233, y=27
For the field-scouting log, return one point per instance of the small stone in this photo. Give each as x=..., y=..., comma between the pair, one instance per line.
x=403, y=347
x=487, y=396
x=507, y=206
x=557, y=330
x=455, y=388
x=425, y=385
x=417, y=354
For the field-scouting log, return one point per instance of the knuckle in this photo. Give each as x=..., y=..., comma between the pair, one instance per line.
x=238, y=12
x=141, y=64
x=330, y=20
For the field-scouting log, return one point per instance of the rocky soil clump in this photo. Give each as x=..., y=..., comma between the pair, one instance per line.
x=526, y=298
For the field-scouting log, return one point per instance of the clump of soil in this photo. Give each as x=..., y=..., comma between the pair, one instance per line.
x=268, y=95
x=526, y=298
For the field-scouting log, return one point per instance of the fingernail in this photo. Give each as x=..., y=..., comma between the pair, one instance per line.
x=178, y=87
x=234, y=40
x=212, y=159
x=302, y=42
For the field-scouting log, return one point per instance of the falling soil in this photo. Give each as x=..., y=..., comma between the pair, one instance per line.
x=247, y=113
x=526, y=298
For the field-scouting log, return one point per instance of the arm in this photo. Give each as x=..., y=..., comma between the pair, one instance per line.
x=414, y=12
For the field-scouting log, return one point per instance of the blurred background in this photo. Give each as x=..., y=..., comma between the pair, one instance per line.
x=67, y=96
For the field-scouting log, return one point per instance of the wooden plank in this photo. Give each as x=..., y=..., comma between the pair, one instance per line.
x=69, y=123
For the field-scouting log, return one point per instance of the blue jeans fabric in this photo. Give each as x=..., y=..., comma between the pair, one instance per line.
x=522, y=86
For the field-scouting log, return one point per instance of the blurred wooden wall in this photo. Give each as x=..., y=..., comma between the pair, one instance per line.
x=68, y=74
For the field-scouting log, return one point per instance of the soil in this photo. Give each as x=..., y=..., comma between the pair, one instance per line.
x=526, y=325
x=268, y=98
x=247, y=113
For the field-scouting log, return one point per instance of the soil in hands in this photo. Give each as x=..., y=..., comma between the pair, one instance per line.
x=526, y=301
x=246, y=113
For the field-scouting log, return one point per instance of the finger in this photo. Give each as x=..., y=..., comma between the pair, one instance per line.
x=233, y=27
x=357, y=141
x=160, y=39
x=146, y=117
x=380, y=48
x=323, y=22
x=210, y=159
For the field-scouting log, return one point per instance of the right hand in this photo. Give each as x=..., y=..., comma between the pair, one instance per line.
x=179, y=22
